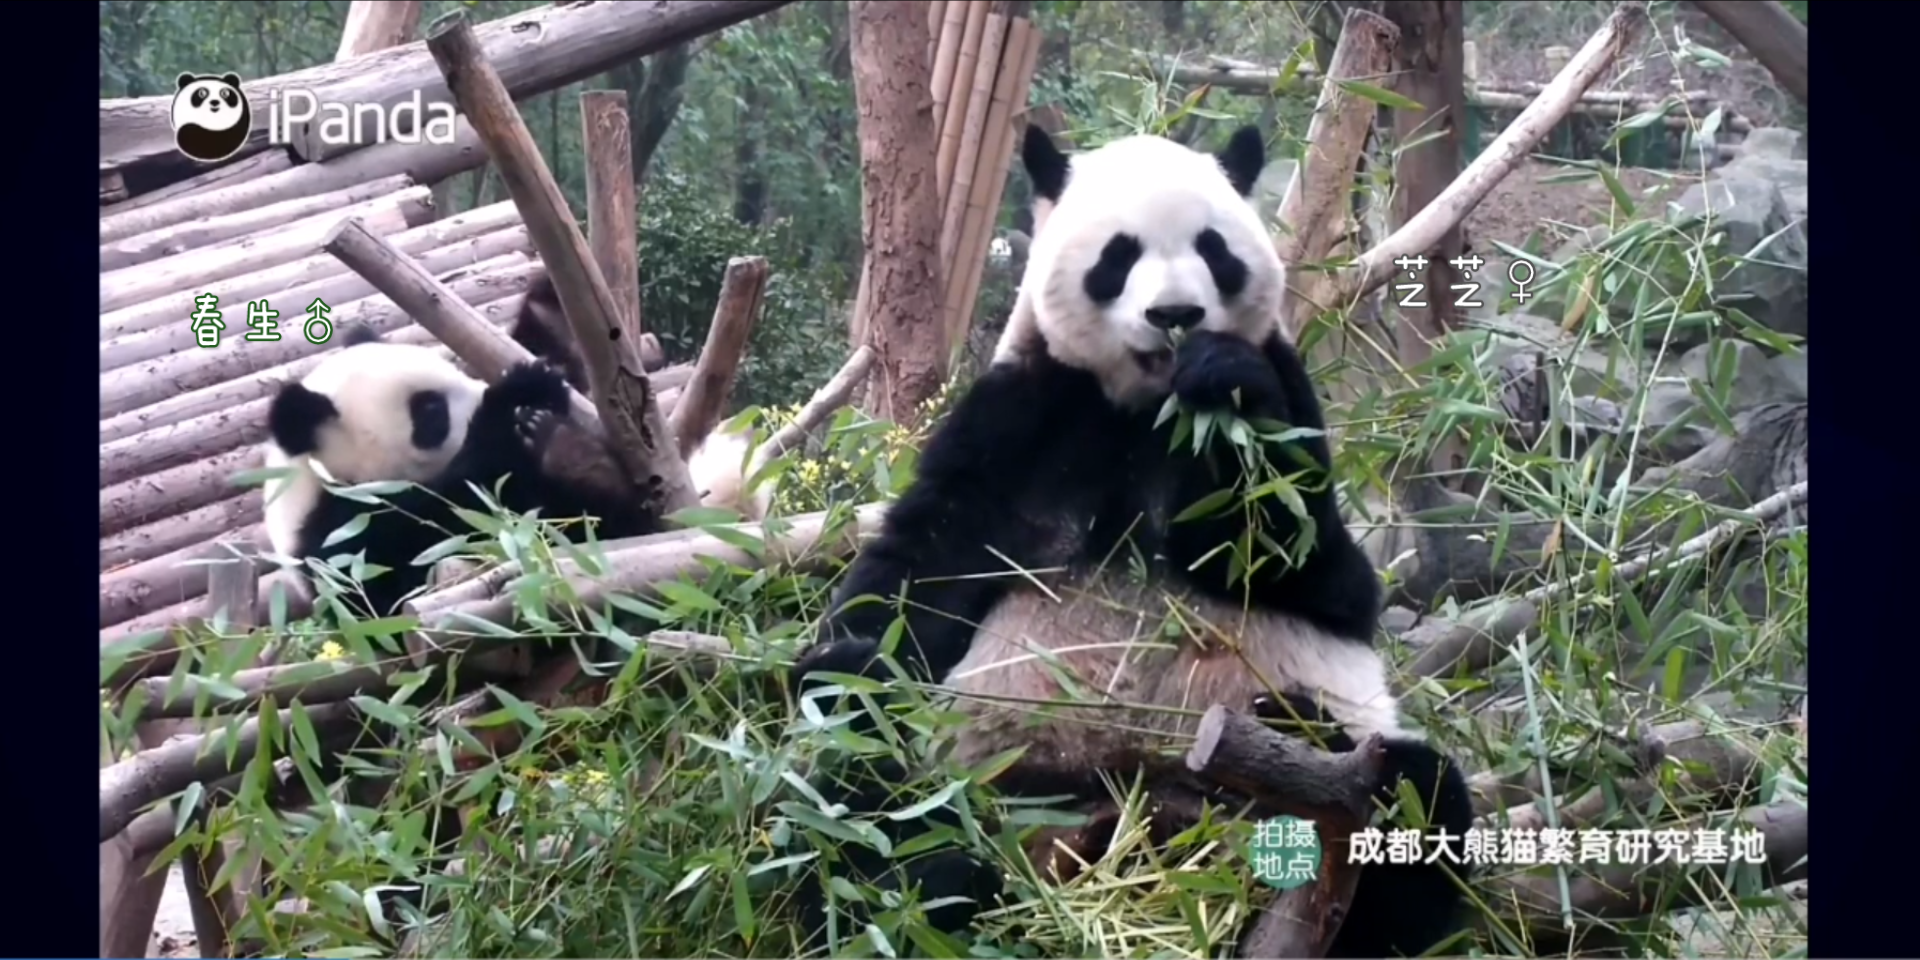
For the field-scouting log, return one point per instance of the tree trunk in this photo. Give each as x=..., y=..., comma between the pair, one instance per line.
x=1429, y=62
x=900, y=215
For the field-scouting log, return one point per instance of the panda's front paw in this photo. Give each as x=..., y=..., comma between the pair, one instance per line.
x=1210, y=367
x=535, y=386
x=534, y=429
x=858, y=656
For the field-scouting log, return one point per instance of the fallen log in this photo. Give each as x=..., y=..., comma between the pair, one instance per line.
x=542, y=49
x=184, y=272
x=264, y=163
x=275, y=280
x=629, y=413
x=204, y=436
x=206, y=400
x=631, y=567
x=168, y=535
x=207, y=231
x=339, y=288
x=1478, y=635
x=1285, y=775
x=132, y=387
x=148, y=776
x=426, y=163
x=170, y=578
x=174, y=491
x=705, y=398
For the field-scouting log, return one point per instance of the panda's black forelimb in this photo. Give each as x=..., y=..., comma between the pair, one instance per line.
x=1398, y=909
x=943, y=555
x=1333, y=584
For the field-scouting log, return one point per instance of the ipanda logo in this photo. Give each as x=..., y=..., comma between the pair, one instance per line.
x=211, y=117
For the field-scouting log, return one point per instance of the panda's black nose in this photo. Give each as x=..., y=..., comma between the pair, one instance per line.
x=1177, y=317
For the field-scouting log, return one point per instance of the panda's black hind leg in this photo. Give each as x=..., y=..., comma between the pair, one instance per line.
x=867, y=787
x=1405, y=909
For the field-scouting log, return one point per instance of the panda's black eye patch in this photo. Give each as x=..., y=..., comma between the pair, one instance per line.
x=199, y=97
x=231, y=98
x=1108, y=278
x=432, y=424
x=1229, y=272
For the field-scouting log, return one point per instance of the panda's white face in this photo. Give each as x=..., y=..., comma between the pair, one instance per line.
x=1143, y=237
x=209, y=103
x=403, y=412
x=391, y=412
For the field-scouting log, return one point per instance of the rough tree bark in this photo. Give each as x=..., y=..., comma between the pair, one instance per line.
x=1429, y=67
x=900, y=215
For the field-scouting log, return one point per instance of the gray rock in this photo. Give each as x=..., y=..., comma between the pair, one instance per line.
x=1750, y=208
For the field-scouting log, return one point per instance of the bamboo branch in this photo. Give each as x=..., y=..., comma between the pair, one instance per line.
x=1626, y=891
x=1424, y=230
x=825, y=401
x=1472, y=641
x=631, y=567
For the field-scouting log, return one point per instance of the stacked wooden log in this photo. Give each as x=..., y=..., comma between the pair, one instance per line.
x=179, y=419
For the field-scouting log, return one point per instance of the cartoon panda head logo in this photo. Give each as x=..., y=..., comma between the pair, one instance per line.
x=211, y=118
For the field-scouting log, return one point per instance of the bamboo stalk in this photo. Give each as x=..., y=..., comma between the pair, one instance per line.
x=953, y=206
x=953, y=26
x=936, y=15
x=1025, y=57
x=957, y=95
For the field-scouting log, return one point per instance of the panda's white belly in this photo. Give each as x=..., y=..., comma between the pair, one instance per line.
x=1139, y=665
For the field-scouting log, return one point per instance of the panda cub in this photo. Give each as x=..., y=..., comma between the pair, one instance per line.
x=379, y=411
x=1042, y=517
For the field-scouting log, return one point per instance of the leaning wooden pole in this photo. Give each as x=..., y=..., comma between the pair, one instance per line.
x=618, y=385
x=613, y=228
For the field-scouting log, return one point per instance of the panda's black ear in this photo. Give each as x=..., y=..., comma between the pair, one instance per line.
x=1243, y=158
x=231, y=80
x=1046, y=165
x=183, y=80
x=357, y=333
x=295, y=417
